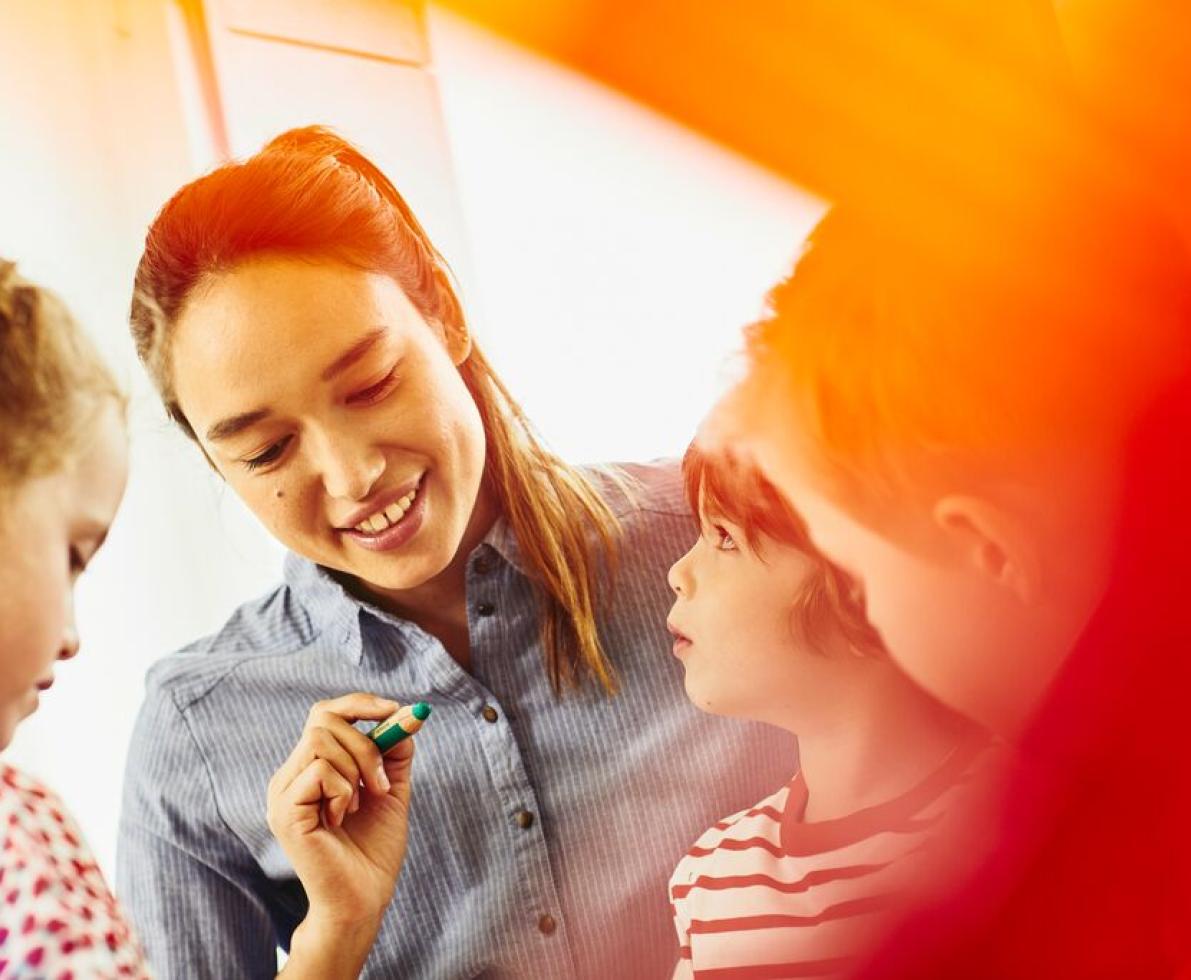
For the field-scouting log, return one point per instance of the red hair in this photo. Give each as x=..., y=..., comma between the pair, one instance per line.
x=311, y=194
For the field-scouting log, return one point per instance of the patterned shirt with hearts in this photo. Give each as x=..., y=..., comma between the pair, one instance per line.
x=58, y=918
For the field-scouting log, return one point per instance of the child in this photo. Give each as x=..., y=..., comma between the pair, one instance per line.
x=63, y=468
x=998, y=453
x=63, y=464
x=767, y=629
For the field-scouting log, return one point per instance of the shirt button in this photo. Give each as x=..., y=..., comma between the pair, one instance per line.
x=547, y=925
x=488, y=713
x=524, y=819
x=484, y=564
x=485, y=609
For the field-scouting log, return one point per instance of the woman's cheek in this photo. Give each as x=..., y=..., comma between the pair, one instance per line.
x=283, y=504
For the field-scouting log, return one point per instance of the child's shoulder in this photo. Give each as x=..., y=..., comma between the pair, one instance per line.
x=760, y=822
x=23, y=798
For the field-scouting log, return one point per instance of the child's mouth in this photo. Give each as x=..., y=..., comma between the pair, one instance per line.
x=682, y=642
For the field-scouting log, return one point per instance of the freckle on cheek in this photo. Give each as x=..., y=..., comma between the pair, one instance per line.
x=280, y=494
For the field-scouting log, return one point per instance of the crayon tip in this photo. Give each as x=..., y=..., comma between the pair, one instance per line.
x=421, y=711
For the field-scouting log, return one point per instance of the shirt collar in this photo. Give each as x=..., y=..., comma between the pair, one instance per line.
x=800, y=838
x=503, y=541
x=335, y=612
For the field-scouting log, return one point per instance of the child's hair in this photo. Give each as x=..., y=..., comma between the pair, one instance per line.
x=52, y=381
x=907, y=374
x=830, y=604
x=312, y=195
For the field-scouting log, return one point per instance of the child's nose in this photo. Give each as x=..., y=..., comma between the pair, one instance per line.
x=70, y=643
x=68, y=646
x=679, y=577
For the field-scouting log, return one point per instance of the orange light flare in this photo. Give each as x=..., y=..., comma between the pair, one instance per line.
x=959, y=127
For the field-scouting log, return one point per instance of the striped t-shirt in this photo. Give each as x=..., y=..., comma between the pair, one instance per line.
x=764, y=894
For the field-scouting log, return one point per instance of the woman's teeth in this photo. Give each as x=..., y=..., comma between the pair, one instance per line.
x=386, y=518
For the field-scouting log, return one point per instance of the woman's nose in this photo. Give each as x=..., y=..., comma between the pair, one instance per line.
x=350, y=471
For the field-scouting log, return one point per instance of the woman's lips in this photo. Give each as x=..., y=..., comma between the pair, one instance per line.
x=398, y=534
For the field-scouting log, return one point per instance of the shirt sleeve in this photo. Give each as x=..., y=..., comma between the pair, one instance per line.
x=49, y=936
x=678, y=906
x=192, y=888
x=57, y=916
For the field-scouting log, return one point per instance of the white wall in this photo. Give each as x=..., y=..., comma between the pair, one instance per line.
x=608, y=256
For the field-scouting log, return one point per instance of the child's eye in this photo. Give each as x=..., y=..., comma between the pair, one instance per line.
x=374, y=393
x=723, y=540
x=270, y=455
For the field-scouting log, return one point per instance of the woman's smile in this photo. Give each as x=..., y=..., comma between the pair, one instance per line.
x=393, y=519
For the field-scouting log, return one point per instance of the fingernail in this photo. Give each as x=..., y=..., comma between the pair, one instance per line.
x=355, y=803
x=383, y=777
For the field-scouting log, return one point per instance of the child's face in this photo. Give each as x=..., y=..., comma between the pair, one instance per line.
x=982, y=644
x=733, y=625
x=49, y=530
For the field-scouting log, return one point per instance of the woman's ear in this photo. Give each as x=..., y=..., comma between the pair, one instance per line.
x=993, y=542
x=458, y=340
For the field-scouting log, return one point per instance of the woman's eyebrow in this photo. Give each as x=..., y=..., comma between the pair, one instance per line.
x=235, y=424
x=354, y=353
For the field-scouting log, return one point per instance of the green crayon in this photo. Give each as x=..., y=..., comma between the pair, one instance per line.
x=399, y=726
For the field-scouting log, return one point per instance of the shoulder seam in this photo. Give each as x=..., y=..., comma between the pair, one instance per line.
x=230, y=669
x=198, y=749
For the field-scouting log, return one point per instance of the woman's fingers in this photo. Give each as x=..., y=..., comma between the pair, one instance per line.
x=398, y=762
x=320, y=789
x=364, y=753
x=322, y=743
x=357, y=706
x=330, y=735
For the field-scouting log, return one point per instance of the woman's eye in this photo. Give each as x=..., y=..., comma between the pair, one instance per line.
x=723, y=540
x=270, y=455
x=374, y=393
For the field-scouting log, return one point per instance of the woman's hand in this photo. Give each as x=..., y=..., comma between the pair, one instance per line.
x=340, y=812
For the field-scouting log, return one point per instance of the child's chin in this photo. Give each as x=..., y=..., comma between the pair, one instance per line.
x=707, y=701
x=8, y=724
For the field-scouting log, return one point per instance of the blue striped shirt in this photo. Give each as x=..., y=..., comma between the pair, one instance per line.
x=617, y=787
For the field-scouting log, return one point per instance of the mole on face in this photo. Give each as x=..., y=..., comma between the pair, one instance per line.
x=280, y=494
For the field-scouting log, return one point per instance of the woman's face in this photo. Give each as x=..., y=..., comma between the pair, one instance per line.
x=50, y=528
x=336, y=412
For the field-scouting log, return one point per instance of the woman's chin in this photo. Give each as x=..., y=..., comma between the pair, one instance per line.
x=383, y=573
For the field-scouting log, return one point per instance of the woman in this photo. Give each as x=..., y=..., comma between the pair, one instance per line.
x=303, y=331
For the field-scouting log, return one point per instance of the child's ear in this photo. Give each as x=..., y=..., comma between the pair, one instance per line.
x=992, y=541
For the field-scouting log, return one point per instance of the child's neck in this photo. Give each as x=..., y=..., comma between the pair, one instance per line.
x=888, y=737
